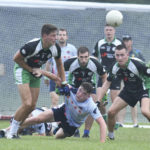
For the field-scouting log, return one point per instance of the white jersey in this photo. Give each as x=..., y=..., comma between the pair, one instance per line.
x=67, y=52
x=77, y=112
x=39, y=128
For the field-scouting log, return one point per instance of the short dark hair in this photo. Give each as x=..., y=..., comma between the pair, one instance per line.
x=108, y=25
x=48, y=28
x=82, y=50
x=87, y=87
x=62, y=29
x=126, y=37
x=120, y=47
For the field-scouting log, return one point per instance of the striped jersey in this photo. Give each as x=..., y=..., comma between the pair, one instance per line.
x=133, y=75
x=34, y=54
x=106, y=52
x=78, y=74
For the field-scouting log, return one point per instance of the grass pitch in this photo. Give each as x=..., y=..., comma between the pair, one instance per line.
x=125, y=139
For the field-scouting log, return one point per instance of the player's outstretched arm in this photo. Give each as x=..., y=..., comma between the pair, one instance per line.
x=38, y=72
x=103, y=129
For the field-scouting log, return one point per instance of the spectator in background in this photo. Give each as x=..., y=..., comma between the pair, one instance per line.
x=67, y=51
x=133, y=53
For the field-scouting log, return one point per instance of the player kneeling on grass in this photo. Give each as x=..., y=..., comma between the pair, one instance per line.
x=73, y=113
x=42, y=129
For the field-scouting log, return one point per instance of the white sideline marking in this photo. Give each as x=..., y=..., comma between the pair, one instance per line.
x=140, y=126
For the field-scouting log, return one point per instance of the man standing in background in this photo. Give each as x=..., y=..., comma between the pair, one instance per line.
x=104, y=50
x=67, y=51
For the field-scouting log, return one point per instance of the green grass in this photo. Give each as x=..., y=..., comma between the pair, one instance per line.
x=125, y=139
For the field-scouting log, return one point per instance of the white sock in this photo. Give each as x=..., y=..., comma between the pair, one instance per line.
x=111, y=134
x=14, y=127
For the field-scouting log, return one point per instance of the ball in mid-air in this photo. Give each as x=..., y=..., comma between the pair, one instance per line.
x=114, y=18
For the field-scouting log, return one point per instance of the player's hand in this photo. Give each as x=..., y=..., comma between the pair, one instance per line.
x=37, y=73
x=65, y=90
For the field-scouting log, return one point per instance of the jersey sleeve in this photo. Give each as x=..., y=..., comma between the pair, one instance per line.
x=26, y=50
x=144, y=69
x=68, y=63
x=58, y=51
x=95, y=50
x=94, y=111
x=100, y=70
x=110, y=75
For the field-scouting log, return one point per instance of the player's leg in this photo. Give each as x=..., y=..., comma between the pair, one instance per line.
x=46, y=116
x=89, y=121
x=60, y=134
x=23, y=111
x=115, y=89
x=116, y=106
x=28, y=87
x=102, y=108
x=134, y=116
x=120, y=117
x=54, y=97
x=145, y=107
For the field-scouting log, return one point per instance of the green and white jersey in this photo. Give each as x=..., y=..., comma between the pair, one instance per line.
x=78, y=74
x=133, y=75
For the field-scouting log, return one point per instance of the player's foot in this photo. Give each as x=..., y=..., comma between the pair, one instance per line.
x=77, y=133
x=111, y=138
x=2, y=133
x=9, y=136
x=135, y=126
x=85, y=136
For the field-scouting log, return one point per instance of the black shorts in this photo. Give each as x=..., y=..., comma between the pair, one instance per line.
x=115, y=84
x=59, y=115
x=132, y=98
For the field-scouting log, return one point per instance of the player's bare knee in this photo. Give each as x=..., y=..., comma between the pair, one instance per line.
x=29, y=106
x=111, y=113
x=145, y=112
